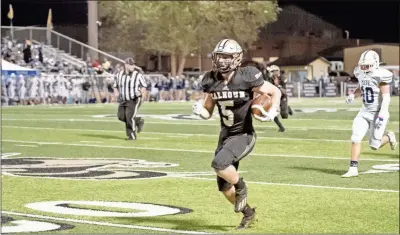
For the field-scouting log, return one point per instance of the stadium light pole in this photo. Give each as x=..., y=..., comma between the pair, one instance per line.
x=93, y=34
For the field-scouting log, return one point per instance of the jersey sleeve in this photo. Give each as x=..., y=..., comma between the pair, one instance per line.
x=142, y=80
x=206, y=82
x=115, y=85
x=253, y=77
x=384, y=76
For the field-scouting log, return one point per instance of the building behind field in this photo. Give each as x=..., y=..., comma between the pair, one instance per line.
x=388, y=53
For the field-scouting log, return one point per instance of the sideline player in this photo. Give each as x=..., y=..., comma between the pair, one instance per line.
x=275, y=77
x=374, y=87
x=231, y=88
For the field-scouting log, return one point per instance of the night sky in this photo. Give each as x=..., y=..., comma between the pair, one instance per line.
x=377, y=20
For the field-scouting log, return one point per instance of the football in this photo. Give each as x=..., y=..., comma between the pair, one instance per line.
x=261, y=102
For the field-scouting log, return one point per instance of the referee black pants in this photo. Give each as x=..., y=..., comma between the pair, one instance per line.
x=127, y=111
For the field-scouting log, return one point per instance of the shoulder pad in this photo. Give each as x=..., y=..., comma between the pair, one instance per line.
x=383, y=72
x=207, y=81
x=250, y=73
x=383, y=75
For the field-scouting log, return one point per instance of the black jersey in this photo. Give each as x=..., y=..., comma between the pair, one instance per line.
x=234, y=99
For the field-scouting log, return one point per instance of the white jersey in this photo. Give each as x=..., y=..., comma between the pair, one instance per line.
x=4, y=92
x=12, y=85
x=42, y=86
x=62, y=86
x=33, y=89
x=76, y=88
x=370, y=90
x=21, y=88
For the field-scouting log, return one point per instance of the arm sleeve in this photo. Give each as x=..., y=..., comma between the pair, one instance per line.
x=116, y=80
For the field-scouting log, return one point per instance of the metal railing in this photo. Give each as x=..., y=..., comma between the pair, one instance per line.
x=57, y=40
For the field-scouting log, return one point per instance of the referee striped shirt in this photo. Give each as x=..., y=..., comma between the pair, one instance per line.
x=129, y=85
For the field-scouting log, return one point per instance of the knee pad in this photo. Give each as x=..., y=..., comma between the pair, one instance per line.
x=222, y=159
x=360, y=129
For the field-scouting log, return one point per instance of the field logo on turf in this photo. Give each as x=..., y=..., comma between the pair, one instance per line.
x=90, y=168
x=103, y=209
x=11, y=225
x=385, y=168
x=87, y=168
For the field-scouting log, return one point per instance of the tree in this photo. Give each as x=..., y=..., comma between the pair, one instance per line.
x=182, y=27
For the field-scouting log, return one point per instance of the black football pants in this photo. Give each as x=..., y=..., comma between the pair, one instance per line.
x=127, y=111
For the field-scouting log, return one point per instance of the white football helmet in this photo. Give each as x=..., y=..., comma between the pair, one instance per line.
x=274, y=70
x=227, y=55
x=369, y=61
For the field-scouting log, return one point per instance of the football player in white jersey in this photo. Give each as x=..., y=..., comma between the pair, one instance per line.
x=374, y=88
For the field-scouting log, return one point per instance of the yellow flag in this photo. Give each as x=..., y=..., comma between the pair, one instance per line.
x=49, y=20
x=10, y=14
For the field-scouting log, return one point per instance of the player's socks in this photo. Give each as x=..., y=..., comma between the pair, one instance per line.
x=248, y=211
x=240, y=195
x=353, y=163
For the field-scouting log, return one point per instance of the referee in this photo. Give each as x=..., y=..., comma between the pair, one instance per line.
x=130, y=84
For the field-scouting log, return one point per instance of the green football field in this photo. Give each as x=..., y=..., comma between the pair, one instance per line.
x=68, y=169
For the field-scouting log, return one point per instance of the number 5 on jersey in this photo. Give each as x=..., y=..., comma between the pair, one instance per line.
x=367, y=95
x=227, y=115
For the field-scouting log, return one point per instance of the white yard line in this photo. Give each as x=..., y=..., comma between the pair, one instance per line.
x=102, y=223
x=176, y=135
x=301, y=128
x=307, y=185
x=91, y=142
x=27, y=145
x=188, y=150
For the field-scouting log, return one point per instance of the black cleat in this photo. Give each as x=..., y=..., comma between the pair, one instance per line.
x=290, y=111
x=140, y=126
x=132, y=136
x=281, y=130
x=247, y=220
x=240, y=199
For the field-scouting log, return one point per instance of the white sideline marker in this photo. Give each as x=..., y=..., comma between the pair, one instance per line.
x=103, y=223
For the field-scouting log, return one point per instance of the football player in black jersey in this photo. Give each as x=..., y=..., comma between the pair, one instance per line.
x=231, y=88
x=275, y=77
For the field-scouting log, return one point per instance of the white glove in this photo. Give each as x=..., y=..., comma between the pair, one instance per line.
x=268, y=116
x=350, y=99
x=381, y=119
x=197, y=107
x=379, y=122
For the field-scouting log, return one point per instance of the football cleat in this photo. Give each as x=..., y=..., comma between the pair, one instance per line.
x=247, y=220
x=392, y=140
x=353, y=172
x=132, y=136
